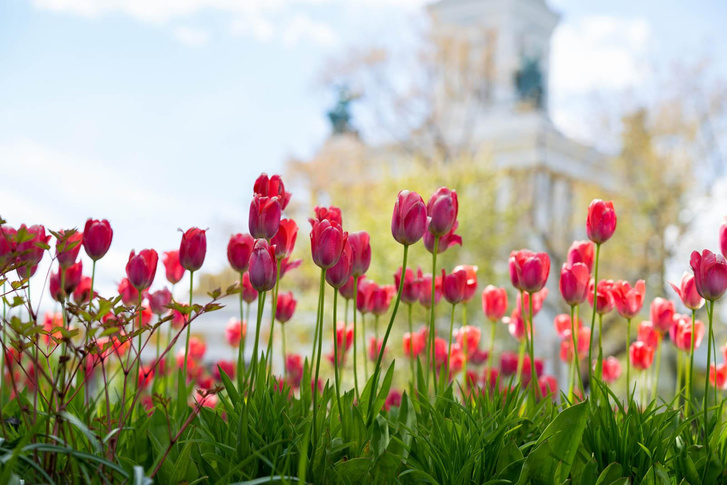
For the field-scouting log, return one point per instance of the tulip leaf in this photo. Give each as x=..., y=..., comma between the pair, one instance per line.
x=380, y=436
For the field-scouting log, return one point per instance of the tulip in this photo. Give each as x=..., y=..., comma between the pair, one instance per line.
x=327, y=242
x=409, y=221
x=193, y=249
x=611, y=369
x=160, y=300
x=648, y=333
x=685, y=333
x=227, y=366
x=454, y=286
x=414, y=343
x=346, y=290
x=581, y=252
x=344, y=336
x=65, y=281
x=129, y=294
x=605, y=302
x=249, y=294
x=566, y=345
x=82, y=293
x=442, y=211
x=380, y=299
x=146, y=315
x=173, y=269
x=494, y=302
x=197, y=348
x=7, y=246
x=235, y=331
x=718, y=376
x=284, y=239
x=687, y=292
x=141, y=268
x=412, y=287
x=374, y=348
x=548, y=386
x=31, y=244
x=264, y=219
x=628, y=300
x=710, y=274
x=468, y=338
x=332, y=214
x=294, y=369
x=517, y=328
x=563, y=327
x=508, y=363
x=238, y=251
x=339, y=274
x=641, y=355
x=662, y=314
x=529, y=270
x=538, y=300
x=271, y=187
x=286, y=265
x=97, y=236
x=361, y=249
x=601, y=221
x=425, y=297
x=262, y=266
x=286, y=307
x=445, y=242
x=440, y=351
x=68, y=245
x=471, y=286
x=574, y=283
x=392, y=400
x=723, y=239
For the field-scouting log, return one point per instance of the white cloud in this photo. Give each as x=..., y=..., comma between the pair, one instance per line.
x=303, y=27
x=191, y=36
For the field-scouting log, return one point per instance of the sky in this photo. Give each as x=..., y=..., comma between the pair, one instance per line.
x=160, y=114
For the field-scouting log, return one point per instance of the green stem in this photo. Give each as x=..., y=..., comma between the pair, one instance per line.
x=319, y=338
x=285, y=355
x=628, y=358
x=431, y=336
x=336, y=375
x=376, y=328
x=254, y=360
x=449, y=351
x=363, y=349
x=520, y=363
x=574, y=360
x=355, y=312
x=599, y=361
x=269, y=355
x=189, y=326
x=690, y=375
x=241, y=344
x=710, y=312
x=680, y=371
x=535, y=387
x=377, y=369
x=655, y=387
x=138, y=358
x=593, y=318
x=491, y=349
x=411, y=351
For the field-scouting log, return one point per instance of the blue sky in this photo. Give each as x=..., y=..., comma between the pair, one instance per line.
x=159, y=114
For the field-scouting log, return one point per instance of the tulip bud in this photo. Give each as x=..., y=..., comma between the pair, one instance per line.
x=688, y=293
x=662, y=314
x=327, y=241
x=285, y=307
x=193, y=249
x=685, y=332
x=249, y=294
x=710, y=274
x=67, y=247
x=262, y=266
x=361, y=250
x=173, y=269
x=234, y=331
x=332, y=214
x=581, y=252
x=718, y=376
x=284, y=239
x=82, y=293
x=271, y=187
x=364, y=299
x=574, y=282
x=494, y=302
x=65, y=281
x=97, y=236
x=454, y=285
x=529, y=270
x=129, y=294
x=142, y=268
x=442, y=211
x=238, y=251
x=410, y=218
x=264, y=220
x=628, y=300
x=601, y=221
x=160, y=300
x=410, y=292
x=611, y=369
x=641, y=355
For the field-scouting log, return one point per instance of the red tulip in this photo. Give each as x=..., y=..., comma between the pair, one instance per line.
x=628, y=300
x=339, y=274
x=97, y=236
x=160, y=300
x=234, y=331
x=710, y=274
x=375, y=348
x=142, y=268
x=410, y=218
x=468, y=338
x=508, y=363
x=264, y=219
x=581, y=252
x=249, y=294
x=527, y=370
x=718, y=376
x=393, y=400
x=641, y=355
x=71, y=279
x=517, y=328
x=494, y=302
x=67, y=247
x=173, y=269
x=327, y=241
x=611, y=369
x=31, y=244
x=478, y=356
x=414, y=343
x=684, y=333
x=442, y=211
x=197, y=348
x=471, y=287
x=344, y=337
x=381, y=297
x=687, y=291
x=538, y=300
x=410, y=292
x=425, y=289
x=566, y=345
x=648, y=333
x=445, y=242
x=456, y=361
x=285, y=307
x=270, y=187
x=284, y=239
x=440, y=351
x=529, y=270
x=723, y=239
x=563, y=327
x=7, y=245
x=361, y=249
x=262, y=266
x=332, y=214
x=548, y=386
x=346, y=290
x=238, y=251
x=454, y=285
x=662, y=314
x=82, y=293
x=227, y=366
x=193, y=249
x=491, y=376
x=601, y=221
x=574, y=282
x=605, y=296
x=146, y=315
x=294, y=366
x=129, y=294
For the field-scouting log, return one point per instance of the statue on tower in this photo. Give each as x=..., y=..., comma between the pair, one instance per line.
x=529, y=83
x=340, y=115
